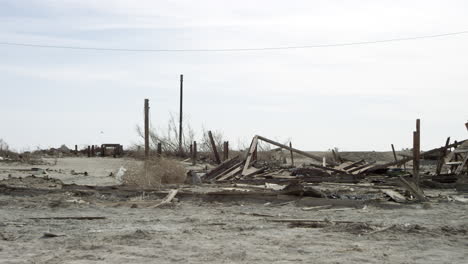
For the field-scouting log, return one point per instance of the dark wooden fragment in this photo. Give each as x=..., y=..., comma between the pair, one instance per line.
x=213, y=147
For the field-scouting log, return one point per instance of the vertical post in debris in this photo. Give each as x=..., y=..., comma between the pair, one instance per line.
x=180, y=112
x=416, y=151
x=146, y=128
x=226, y=150
x=76, y=149
x=194, y=153
x=159, y=149
x=443, y=153
x=93, y=151
x=89, y=151
x=292, y=155
x=213, y=146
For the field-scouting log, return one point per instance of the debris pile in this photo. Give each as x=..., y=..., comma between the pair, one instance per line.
x=454, y=157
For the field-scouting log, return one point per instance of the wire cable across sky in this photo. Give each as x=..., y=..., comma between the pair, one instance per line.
x=235, y=49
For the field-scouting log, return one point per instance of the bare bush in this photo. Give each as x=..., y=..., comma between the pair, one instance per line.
x=169, y=138
x=154, y=172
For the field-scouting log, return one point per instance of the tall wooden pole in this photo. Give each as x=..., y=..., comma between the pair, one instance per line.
x=146, y=128
x=180, y=111
x=416, y=151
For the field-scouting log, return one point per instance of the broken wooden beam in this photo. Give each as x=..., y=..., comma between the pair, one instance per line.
x=248, y=159
x=303, y=153
x=443, y=153
x=414, y=189
x=221, y=168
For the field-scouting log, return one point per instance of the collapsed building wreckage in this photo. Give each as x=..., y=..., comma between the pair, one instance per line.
x=249, y=170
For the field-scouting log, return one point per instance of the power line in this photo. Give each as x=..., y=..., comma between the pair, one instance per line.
x=235, y=49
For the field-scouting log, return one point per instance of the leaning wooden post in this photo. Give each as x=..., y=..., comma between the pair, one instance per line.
x=147, y=128
x=194, y=153
x=213, y=146
x=226, y=150
x=443, y=153
x=292, y=155
x=180, y=113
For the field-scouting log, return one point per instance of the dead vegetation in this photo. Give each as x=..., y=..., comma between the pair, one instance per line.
x=154, y=172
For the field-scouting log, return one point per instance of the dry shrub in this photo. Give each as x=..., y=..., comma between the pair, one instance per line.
x=154, y=172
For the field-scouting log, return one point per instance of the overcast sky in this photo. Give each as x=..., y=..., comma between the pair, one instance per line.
x=361, y=97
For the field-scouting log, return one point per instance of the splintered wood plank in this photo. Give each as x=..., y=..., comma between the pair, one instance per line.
x=461, y=166
x=253, y=147
x=230, y=174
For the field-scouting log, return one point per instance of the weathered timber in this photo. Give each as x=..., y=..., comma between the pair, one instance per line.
x=194, y=153
x=213, y=146
x=407, y=159
x=462, y=165
x=414, y=189
x=327, y=168
x=221, y=168
x=443, y=153
x=303, y=153
x=252, y=149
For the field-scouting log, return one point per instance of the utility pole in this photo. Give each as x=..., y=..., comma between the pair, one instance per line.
x=146, y=128
x=416, y=151
x=180, y=112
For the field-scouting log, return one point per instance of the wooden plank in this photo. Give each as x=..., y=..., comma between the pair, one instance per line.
x=443, y=153
x=461, y=166
x=353, y=165
x=414, y=189
x=312, y=156
x=221, y=168
x=230, y=174
x=362, y=168
x=213, y=147
x=328, y=169
x=233, y=167
x=253, y=147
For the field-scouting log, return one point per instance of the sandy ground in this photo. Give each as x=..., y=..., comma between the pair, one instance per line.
x=193, y=230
